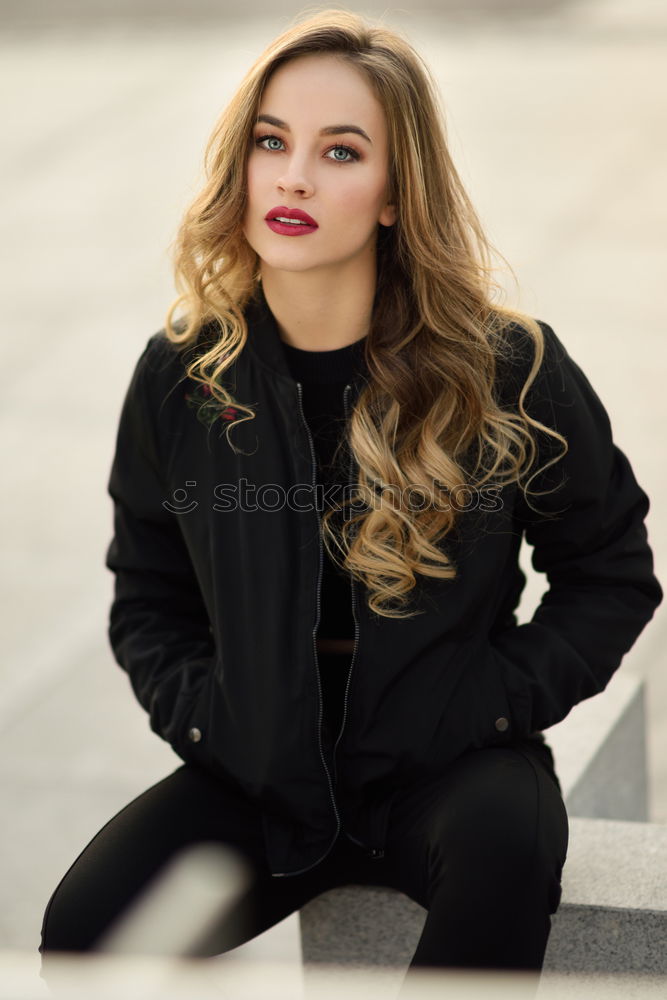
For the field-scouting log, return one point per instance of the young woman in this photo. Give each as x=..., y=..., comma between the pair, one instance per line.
x=324, y=470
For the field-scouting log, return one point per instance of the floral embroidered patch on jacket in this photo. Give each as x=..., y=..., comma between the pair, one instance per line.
x=208, y=408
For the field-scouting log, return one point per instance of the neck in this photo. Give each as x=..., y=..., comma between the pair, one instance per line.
x=311, y=312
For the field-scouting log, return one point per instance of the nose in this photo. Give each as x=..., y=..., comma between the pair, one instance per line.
x=294, y=179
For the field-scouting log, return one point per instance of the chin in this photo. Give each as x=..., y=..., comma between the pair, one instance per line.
x=292, y=260
x=285, y=259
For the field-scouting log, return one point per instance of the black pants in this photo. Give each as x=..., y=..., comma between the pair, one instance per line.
x=481, y=848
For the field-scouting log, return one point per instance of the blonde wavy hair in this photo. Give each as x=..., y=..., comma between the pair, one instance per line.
x=427, y=412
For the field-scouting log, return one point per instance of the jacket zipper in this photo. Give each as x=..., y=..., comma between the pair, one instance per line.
x=372, y=852
x=354, y=615
x=317, y=666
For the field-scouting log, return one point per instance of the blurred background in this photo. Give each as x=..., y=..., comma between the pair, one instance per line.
x=556, y=116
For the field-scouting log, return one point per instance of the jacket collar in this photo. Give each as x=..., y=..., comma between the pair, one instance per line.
x=264, y=340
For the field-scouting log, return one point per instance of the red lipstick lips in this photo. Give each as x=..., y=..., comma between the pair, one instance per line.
x=302, y=223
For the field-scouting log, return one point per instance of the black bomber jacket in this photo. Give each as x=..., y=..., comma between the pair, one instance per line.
x=218, y=560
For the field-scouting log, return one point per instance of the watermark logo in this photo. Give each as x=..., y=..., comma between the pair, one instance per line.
x=180, y=502
x=302, y=497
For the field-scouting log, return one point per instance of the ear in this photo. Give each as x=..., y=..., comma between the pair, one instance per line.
x=388, y=215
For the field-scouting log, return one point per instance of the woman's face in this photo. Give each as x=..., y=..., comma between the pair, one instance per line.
x=339, y=180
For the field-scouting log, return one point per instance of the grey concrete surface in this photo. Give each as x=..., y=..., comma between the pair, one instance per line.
x=612, y=924
x=600, y=752
x=603, y=924
x=557, y=126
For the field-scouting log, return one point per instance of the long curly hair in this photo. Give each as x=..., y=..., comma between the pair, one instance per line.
x=427, y=422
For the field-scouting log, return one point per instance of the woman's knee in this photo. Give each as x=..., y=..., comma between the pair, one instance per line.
x=500, y=814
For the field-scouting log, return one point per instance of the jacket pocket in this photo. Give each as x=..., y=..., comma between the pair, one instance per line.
x=479, y=713
x=492, y=721
x=193, y=739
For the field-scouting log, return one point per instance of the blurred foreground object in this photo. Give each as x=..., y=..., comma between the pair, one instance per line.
x=112, y=977
x=175, y=912
x=182, y=904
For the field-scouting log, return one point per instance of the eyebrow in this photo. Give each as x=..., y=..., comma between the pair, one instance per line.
x=328, y=130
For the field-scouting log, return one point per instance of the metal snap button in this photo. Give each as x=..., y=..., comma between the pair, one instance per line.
x=502, y=724
x=194, y=735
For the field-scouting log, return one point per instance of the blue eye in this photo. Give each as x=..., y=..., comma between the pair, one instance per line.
x=265, y=138
x=351, y=153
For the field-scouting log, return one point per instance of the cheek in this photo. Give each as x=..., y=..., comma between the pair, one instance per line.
x=255, y=199
x=360, y=199
x=251, y=177
x=258, y=175
x=360, y=192
x=252, y=203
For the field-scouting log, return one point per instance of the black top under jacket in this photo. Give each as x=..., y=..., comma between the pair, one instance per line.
x=324, y=375
x=218, y=560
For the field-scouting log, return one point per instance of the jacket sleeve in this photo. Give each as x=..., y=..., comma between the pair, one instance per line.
x=159, y=628
x=591, y=542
